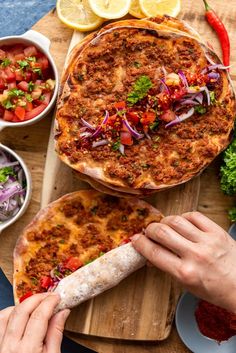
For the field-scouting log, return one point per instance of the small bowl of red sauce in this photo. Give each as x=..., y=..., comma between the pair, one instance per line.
x=28, y=79
x=203, y=327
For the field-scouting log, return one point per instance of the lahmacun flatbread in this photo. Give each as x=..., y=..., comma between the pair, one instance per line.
x=69, y=234
x=184, y=120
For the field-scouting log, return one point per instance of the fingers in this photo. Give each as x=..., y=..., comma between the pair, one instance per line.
x=166, y=236
x=55, y=331
x=202, y=222
x=156, y=254
x=20, y=316
x=4, y=317
x=37, y=325
x=184, y=227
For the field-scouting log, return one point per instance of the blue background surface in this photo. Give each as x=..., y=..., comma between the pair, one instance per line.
x=17, y=16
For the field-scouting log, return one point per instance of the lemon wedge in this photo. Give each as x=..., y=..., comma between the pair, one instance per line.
x=110, y=8
x=160, y=7
x=135, y=9
x=77, y=14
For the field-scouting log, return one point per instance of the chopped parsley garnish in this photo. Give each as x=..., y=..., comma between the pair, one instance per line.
x=154, y=125
x=139, y=89
x=23, y=64
x=200, y=109
x=212, y=97
x=145, y=166
x=80, y=77
x=228, y=170
x=34, y=280
x=31, y=58
x=93, y=210
x=37, y=70
x=5, y=62
x=7, y=104
x=101, y=253
x=28, y=97
x=116, y=146
x=30, y=86
x=137, y=64
x=124, y=218
x=4, y=173
x=62, y=241
x=42, y=97
x=15, y=92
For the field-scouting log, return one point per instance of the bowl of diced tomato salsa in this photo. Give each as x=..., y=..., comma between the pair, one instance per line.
x=28, y=79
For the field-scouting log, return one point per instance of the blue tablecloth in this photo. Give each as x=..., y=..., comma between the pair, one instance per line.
x=17, y=16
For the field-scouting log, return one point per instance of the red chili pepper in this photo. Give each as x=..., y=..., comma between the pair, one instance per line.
x=221, y=31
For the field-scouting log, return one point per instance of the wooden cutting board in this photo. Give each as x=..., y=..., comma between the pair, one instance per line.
x=142, y=307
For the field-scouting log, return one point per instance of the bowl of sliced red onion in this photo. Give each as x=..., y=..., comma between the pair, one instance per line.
x=15, y=186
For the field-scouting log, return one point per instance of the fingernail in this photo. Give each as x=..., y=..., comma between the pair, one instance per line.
x=135, y=237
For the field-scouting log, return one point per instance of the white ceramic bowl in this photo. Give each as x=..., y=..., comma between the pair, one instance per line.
x=26, y=172
x=43, y=44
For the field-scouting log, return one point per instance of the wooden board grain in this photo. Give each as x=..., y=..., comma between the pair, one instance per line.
x=31, y=144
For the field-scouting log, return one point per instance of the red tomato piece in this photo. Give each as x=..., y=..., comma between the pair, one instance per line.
x=43, y=61
x=168, y=116
x=148, y=118
x=125, y=241
x=20, y=56
x=134, y=117
x=1, y=112
x=2, y=83
x=46, y=282
x=23, y=85
x=47, y=97
x=10, y=75
x=126, y=138
x=11, y=85
x=17, y=49
x=120, y=105
x=73, y=263
x=30, y=51
x=29, y=106
x=35, y=112
x=8, y=115
x=2, y=54
x=25, y=296
x=19, y=75
x=27, y=76
x=20, y=113
x=11, y=57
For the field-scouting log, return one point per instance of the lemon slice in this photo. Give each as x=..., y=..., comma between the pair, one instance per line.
x=110, y=8
x=135, y=9
x=77, y=14
x=160, y=7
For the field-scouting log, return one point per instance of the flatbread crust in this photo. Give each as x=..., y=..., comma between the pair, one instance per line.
x=85, y=222
x=177, y=159
x=102, y=274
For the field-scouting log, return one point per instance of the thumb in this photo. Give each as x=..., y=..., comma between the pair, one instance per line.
x=55, y=331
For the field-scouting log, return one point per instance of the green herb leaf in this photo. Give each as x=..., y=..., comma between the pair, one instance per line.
x=42, y=97
x=228, y=170
x=232, y=214
x=154, y=125
x=7, y=104
x=30, y=86
x=212, y=97
x=23, y=64
x=37, y=70
x=34, y=280
x=5, y=62
x=137, y=64
x=31, y=58
x=101, y=253
x=200, y=109
x=139, y=89
x=14, y=92
x=28, y=97
x=116, y=146
x=5, y=172
x=93, y=210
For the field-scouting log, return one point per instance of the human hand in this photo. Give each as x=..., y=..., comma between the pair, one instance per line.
x=197, y=252
x=30, y=327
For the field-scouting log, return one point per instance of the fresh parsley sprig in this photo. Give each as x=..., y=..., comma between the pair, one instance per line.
x=139, y=90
